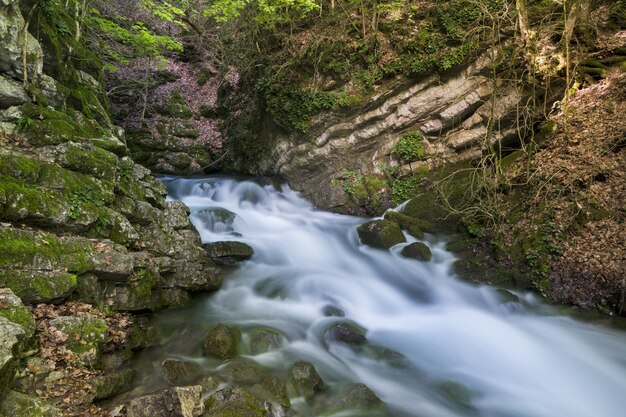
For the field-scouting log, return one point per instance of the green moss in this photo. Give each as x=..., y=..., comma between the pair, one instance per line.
x=91, y=160
x=39, y=287
x=23, y=201
x=85, y=333
x=19, y=315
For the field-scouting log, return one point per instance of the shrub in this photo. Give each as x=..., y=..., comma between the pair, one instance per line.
x=409, y=148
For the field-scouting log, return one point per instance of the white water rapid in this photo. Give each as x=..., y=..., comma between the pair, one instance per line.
x=501, y=357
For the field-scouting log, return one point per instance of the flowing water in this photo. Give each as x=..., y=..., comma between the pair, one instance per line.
x=464, y=350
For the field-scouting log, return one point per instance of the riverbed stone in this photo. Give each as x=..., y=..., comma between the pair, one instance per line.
x=177, y=372
x=172, y=402
x=235, y=401
x=417, y=250
x=273, y=389
x=305, y=379
x=21, y=405
x=228, y=252
x=381, y=234
x=347, y=333
x=357, y=396
x=222, y=342
x=414, y=226
x=265, y=339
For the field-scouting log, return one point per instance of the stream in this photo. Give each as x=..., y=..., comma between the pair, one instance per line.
x=437, y=347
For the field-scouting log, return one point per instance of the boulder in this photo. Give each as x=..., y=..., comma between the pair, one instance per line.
x=38, y=286
x=12, y=93
x=347, y=333
x=110, y=384
x=177, y=215
x=357, y=396
x=381, y=234
x=305, y=379
x=11, y=43
x=20, y=405
x=417, y=250
x=172, y=402
x=11, y=336
x=222, y=342
x=178, y=372
x=228, y=252
x=273, y=389
x=85, y=336
x=232, y=402
x=415, y=227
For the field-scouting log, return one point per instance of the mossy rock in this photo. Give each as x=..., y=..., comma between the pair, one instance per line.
x=11, y=342
x=222, y=342
x=234, y=402
x=265, y=339
x=39, y=286
x=305, y=379
x=273, y=389
x=12, y=308
x=417, y=250
x=85, y=336
x=110, y=384
x=21, y=405
x=85, y=158
x=381, y=234
x=410, y=224
x=355, y=397
x=348, y=333
x=178, y=372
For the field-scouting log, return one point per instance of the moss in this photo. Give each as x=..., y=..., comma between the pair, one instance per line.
x=412, y=225
x=21, y=405
x=85, y=333
x=222, y=342
x=85, y=101
x=19, y=314
x=91, y=160
x=417, y=251
x=403, y=189
x=38, y=205
x=39, y=287
x=144, y=281
x=380, y=234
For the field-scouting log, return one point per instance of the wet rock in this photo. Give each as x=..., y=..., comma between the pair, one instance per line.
x=12, y=308
x=332, y=311
x=20, y=405
x=305, y=379
x=417, y=250
x=272, y=389
x=222, y=342
x=232, y=402
x=11, y=336
x=265, y=339
x=172, y=402
x=85, y=336
x=108, y=385
x=415, y=227
x=217, y=219
x=347, y=333
x=244, y=371
x=456, y=392
x=178, y=372
x=381, y=234
x=228, y=252
x=195, y=277
x=506, y=296
x=357, y=396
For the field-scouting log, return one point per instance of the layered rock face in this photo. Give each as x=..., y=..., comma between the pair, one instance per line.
x=452, y=113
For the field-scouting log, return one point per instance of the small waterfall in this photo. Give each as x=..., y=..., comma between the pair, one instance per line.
x=463, y=350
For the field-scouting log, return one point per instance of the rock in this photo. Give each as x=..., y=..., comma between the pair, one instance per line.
x=357, y=396
x=84, y=158
x=456, y=392
x=177, y=215
x=12, y=93
x=265, y=339
x=85, y=336
x=417, y=250
x=113, y=262
x=217, y=219
x=39, y=286
x=236, y=401
x=415, y=227
x=381, y=234
x=228, y=252
x=305, y=379
x=12, y=308
x=172, y=402
x=11, y=336
x=272, y=389
x=222, y=342
x=244, y=371
x=178, y=372
x=21, y=405
x=195, y=277
x=108, y=385
x=12, y=46
x=333, y=311
x=347, y=333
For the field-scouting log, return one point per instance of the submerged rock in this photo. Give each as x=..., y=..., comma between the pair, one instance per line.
x=178, y=372
x=265, y=339
x=305, y=379
x=236, y=401
x=228, y=252
x=381, y=234
x=417, y=250
x=222, y=342
x=357, y=396
x=272, y=389
x=172, y=402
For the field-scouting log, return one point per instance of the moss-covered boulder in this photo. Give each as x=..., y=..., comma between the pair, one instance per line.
x=85, y=336
x=177, y=372
x=172, y=402
x=12, y=308
x=414, y=226
x=417, y=250
x=381, y=234
x=305, y=379
x=20, y=405
x=222, y=342
x=107, y=385
x=85, y=158
x=39, y=286
x=228, y=252
x=231, y=402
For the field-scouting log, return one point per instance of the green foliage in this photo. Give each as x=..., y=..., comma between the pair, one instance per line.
x=618, y=13
x=269, y=13
x=403, y=189
x=79, y=198
x=409, y=148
